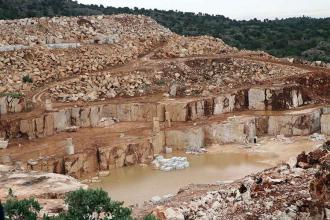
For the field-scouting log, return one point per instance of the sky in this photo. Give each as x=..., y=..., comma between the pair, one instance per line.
x=235, y=9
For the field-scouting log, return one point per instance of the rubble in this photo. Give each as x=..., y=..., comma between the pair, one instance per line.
x=318, y=137
x=195, y=150
x=189, y=46
x=174, y=163
x=71, y=46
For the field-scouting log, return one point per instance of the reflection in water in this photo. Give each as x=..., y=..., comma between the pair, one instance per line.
x=137, y=184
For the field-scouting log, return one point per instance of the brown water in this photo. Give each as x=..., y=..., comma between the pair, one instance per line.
x=137, y=184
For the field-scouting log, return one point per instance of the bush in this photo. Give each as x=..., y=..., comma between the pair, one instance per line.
x=27, y=79
x=82, y=204
x=11, y=94
x=150, y=217
x=92, y=204
x=26, y=209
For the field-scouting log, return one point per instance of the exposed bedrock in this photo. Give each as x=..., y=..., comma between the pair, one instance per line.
x=276, y=98
x=303, y=122
x=9, y=104
x=188, y=137
x=91, y=160
x=237, y=129
x=325, y=123
x=179, y=110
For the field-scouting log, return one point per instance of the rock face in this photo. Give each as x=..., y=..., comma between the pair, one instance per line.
x=276, y=98
x=282, y=192
x=181, y=139
x=295, y=123
x=89, y=161
x=125, y=155
x=325, y=124
x=10, y=104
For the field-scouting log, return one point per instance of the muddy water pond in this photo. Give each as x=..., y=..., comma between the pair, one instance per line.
x=137, y=184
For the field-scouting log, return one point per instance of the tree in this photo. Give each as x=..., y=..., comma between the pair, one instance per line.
x=26, y=209
x=94, y=204
x=2, y=213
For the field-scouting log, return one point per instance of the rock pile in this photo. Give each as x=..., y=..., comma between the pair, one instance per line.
x=91, y=88
x=181, y=78
x=82, y=29
x=179, y=46
x=174, y=163
x=47, y=59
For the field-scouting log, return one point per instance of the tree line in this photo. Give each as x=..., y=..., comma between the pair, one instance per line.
x=303, y=37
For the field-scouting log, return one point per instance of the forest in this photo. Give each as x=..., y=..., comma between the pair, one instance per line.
x=301, y=37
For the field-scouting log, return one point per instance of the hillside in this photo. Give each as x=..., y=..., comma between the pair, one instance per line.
x=304, y=37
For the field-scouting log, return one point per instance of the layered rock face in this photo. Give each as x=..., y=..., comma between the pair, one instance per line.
x=183, y=110
x=89, y=161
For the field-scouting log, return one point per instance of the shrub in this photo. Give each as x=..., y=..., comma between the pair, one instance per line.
x=11, y=94
x=27, y=79
x=160, y=82
x=150, y=217
x=82, y=204
x=92, y=204
x=26, y=209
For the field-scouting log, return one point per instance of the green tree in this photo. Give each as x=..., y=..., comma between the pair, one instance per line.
x=94, y=204
x=26, y=209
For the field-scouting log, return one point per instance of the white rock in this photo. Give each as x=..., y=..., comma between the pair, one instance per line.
x=168, y=150
x=174, y=163
x=171, y=214
x=156, y=199
x=3, y=144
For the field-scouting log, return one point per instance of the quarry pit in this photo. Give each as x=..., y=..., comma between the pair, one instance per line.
x=100, y=109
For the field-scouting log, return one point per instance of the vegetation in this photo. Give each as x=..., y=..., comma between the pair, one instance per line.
x=85, y=204
x=11, y=94
x=304, y=37
x=26, y=209
x=150, y=217
x=27, y=79
x=90, y=204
